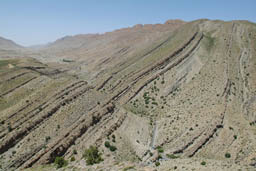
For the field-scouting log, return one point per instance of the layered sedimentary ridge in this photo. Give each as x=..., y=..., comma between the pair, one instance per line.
x=165, y=96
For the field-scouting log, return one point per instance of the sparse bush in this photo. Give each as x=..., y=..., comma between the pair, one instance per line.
x=203, y=163
x=235, y=137
x=172, y=156
x=227, y=155
x=113, y=138
x=112, y=148
x=60, y=162
x=154, y=103
x=157, y=163
x=160, y=149
x=72, y=159
x=92, y=156
x=107, y=144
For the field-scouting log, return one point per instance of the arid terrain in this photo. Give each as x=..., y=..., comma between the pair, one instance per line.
x=173, y=96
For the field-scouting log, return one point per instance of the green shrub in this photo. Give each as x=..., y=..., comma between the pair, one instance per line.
x=92, y=155
x=107, y=144
x=154, y=103
x=227, y=155
x=157, y=163
x=160, y=149
x=172, y=156
x=203, y=163
x=72, y=158
x=112, y=148
x=60, y=162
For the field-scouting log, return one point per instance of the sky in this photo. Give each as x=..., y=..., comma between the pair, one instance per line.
x=33, y=22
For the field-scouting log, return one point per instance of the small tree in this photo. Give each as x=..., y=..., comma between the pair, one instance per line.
x=92, y=155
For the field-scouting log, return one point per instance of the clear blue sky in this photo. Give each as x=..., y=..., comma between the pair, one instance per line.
x=30, y=22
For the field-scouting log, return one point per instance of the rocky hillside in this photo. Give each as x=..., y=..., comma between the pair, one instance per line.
x=173, y=96
x=6, y=44
x=8, y=49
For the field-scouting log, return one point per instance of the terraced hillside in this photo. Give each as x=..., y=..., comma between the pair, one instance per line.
x=170, y=96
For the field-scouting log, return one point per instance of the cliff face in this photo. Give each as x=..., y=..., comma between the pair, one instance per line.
x=175, y=93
